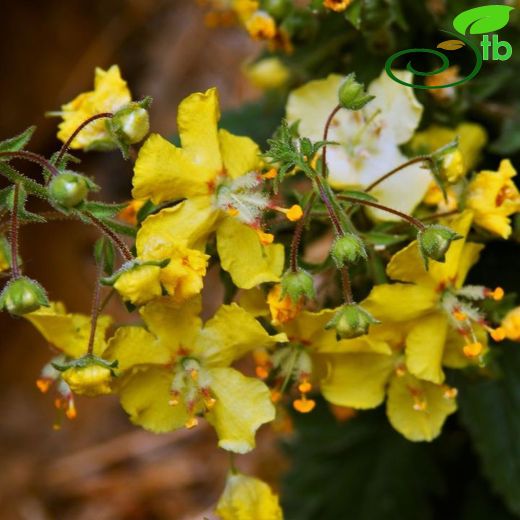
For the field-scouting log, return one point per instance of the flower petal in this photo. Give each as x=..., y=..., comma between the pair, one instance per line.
x=248, y=498
x=252, y=263
x=242, y=405
x=132, y=346
x=357, y=380
x=140, y=284
x=400, y=302
x=229, y=335
x=241, y=155
x=69, y=332
x=197, y=122
x=425, y=347
x=417, y=409
x=144, y=397
x=175, y=326
x=188, y=223
x=164, y=172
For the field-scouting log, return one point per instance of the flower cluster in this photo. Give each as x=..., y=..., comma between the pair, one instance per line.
x=347, y=164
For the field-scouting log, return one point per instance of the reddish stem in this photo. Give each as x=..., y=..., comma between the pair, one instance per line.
x=325, y=137
x=95, y=309
x=33, y=157
x=15, y=269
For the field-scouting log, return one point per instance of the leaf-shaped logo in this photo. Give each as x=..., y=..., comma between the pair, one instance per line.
x=450, y=45
x=482, y=20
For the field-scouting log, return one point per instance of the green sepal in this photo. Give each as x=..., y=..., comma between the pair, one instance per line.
x=85, y=361
x=7, y=202
x=101, y=209
x=362, y=195
x=14, y=176
x=105, y=254
x=16, y=143
x=23, y=295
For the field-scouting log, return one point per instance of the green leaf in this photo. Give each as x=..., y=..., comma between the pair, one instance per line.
x=353, y=13
x=105, y=254
x=14, y=144
x=362, y=195
x=13, y=176
x=482, y=20
x=119, y=227
x=102, y=209
x=361, y=470
x=490, y=410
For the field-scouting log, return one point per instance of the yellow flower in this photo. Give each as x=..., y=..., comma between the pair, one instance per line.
x=368, y=140
x=268, y=73
x=181, y=278
x=362, y=377
x=443, y=319
x=110, y=94
x=177, y=370
x=216, y=172
x=336, y=5
x=91, y=380
x=511, y=324
x=129, y=213
x=494, y=197
x=471, y=137
x=248, y=498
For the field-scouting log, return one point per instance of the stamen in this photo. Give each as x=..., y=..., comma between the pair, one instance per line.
x=294, y=213
x=276, y=395
x=450, y=392
x=459, y=315
x=400, y=370
x=305, y=387
x=472, y=350
x=43, y=384
x=496, y=295
x=498, y=334
x=232, y=212
x=304, y=405
x=191, y=422
x=265, y=238
x=271, y=174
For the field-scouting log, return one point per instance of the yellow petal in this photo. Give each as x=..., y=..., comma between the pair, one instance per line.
x=140, y=284
x=250, y=263
x=400, y=302
x=408, y=266
x=417, y=409
x=229, y=335
x=468, y=258
x=164, y=172
x=69, y=332
x=132, y=346
x=174, y=325
x=308, y=328
x=253, y=301
x=197, y=122
x=242, y=405
x=357, y=380
x=144, y=397
x=241, y=155
x=110, y=94
x=248, y=498
x=188, y=223
x=425, y=347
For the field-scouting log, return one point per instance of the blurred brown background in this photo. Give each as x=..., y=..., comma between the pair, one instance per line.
x=99, y=466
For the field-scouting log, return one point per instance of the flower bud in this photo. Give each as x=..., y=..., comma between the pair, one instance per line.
x=276, y=8
x=130, y=124
x=267, y=73
x=351, y=321
x=348, y=249
x=297, y=284
x=91, y=380
x=434, y=242
x=68, y=189
x=22, y=295
x=352, y=95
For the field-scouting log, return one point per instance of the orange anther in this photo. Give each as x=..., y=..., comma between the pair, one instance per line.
x=191, y=423
x=304, y=405
x=473, y=349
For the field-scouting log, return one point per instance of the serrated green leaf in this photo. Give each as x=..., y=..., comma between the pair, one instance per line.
x=32, y=187
x=490, y=410
x=120, y=228
x=482, y=20
x=361, y=469
x=14, y=144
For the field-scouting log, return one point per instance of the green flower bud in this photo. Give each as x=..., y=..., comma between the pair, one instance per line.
x=68, y=189
x=352, y=95
x=434, y=242
x=348, y=249
x=297, y=284
x=351, y=321
x=22, y=295
x=276, y=8
x=131, y=124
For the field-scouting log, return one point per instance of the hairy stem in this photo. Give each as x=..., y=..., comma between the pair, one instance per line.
x=95, y=309
x=411, y=220
x=65, y=147
x=325, y=138
x=298, y=232
x=120, y=245
x=15, y=268
x=33, y=157
x=422, y=158
x=346, y=285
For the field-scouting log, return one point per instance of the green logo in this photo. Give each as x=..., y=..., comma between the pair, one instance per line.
x=480, y=20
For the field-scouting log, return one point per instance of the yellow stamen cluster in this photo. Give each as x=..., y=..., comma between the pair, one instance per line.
x=261, y=26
